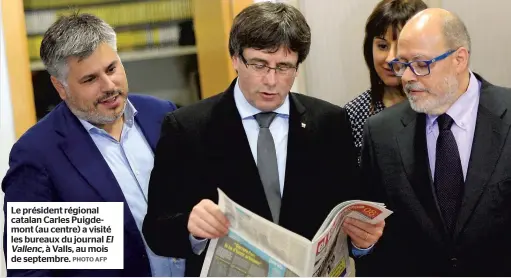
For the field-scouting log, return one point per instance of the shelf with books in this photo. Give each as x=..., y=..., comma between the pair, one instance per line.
x=156, y=39
x=141, y=54
x=117, y=14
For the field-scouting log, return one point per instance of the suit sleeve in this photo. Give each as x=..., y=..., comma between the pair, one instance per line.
x=349, y=153
x=352, y=189
x=165, y=224
x=372, y=190
x=25, y=181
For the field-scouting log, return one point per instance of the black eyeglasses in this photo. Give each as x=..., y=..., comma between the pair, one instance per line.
x=260, y=69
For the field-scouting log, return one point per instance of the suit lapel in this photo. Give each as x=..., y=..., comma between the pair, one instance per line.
x=413, y=149
x=147, y=121
x=150, y=134
x=83, y=154
x=297, y=159
x=229, y=151
x=489, y=137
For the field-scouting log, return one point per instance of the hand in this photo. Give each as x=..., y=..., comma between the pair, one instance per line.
x=363, y=235
x=207, y=221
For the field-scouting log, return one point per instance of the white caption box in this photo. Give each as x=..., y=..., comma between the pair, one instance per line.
x=65, y=235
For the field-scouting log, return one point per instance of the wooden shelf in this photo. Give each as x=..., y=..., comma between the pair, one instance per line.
x=143, y=54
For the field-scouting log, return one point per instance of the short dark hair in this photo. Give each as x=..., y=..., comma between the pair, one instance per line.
x=387, y=14
x=269, y=26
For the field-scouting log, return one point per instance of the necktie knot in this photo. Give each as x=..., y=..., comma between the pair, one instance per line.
x=264, y=119
x=445, y=122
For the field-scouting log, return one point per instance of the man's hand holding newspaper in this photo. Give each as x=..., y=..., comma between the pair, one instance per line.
x=254, y=246
x=363, y=235
x=207, y=221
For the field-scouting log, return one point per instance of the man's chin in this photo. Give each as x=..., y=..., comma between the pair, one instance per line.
x=268, y=106
x=427, y=108
x=106, y=120
x=419, y=106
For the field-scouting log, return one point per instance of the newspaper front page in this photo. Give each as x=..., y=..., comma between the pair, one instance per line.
x=255, y=246
x=330, y=243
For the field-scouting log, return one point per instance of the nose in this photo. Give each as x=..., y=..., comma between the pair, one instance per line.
x=107, y=83
x=390, y=57
x=392, y=53
x=408, y=76
x=271, y=78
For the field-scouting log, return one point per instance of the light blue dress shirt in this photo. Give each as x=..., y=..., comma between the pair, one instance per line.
x=131, y=161
x=464, y=114
x=279, y=129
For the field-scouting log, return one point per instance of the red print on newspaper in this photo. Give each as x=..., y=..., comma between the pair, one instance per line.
x=322, y=244
x=368, y=211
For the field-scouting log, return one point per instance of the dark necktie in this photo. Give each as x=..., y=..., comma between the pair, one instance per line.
x=267, y=163
x=449, y=181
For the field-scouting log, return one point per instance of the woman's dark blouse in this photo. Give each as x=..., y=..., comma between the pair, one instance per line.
x=359, y=110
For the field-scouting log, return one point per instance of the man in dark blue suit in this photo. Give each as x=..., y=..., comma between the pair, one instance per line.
x=95, y=146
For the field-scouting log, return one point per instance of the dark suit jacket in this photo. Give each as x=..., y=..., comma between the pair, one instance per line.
x=57, y=161
x=204, y=146
x=414, y=241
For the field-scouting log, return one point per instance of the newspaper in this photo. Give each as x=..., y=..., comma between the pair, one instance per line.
x=257, y=247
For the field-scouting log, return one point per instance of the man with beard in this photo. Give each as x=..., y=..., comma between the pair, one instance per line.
x=95, y=146
x=440, y=161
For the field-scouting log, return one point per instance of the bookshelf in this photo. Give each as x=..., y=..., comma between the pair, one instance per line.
x=138, y=24
x=183, y=72
x=155, y=41
x=138, y=55
x=19, y=81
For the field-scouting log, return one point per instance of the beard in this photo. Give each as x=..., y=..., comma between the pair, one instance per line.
x=433, y=104
x=89, y=111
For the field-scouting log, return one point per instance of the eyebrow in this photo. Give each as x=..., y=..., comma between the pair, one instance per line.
x=287, y=64
x=90, y=75
x=257, y=60
x=414, y=57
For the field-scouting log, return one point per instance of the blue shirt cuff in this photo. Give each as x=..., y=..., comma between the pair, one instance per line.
x=359, y=252
x=198, y=245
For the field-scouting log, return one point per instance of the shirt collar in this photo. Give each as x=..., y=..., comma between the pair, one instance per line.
x=461, y=109
x=129, y=117
x=246, y=109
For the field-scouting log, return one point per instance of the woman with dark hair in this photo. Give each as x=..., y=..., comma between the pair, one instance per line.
x=381, y=32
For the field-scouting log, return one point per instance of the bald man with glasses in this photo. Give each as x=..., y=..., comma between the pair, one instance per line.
x=441, y=161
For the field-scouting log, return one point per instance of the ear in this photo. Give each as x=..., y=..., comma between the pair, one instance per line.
x=59, y=87
x=461, y=59
x=235, y=60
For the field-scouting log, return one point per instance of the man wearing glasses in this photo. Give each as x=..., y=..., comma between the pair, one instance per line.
x=442, y=161
x=284, y=156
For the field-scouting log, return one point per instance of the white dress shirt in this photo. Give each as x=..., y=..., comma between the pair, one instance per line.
x=279, y=129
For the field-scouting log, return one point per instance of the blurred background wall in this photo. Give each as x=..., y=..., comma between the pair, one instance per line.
x=336, y=71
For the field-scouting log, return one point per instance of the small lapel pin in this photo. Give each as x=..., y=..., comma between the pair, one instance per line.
x=303, y=125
